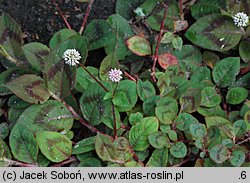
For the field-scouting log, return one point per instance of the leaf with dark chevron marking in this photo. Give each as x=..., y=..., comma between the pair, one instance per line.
x=55, y=146
x=60, y=76
x=11, y=37
x=35, y=54
x=215, y=32
x=23, y=144
x=50, y=116
x=190, y=100
x=235, y=6
x=93, y=106
x=30, y=88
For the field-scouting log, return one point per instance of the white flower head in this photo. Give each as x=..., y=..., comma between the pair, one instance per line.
x=115, y=75
x=71, y=57
x=241, y=19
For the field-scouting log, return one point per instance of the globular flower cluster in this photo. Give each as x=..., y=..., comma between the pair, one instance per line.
x=241, y=19
x=71, y=57
x=115, y=75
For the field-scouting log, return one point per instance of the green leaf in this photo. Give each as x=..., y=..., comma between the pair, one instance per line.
x=99, y=34
x=210, y=58
x=117, y=151
x=42, y=161
x=215, y=32
x=158, y=140
x=178, y=150
x=93, y=106
x=126, y=8
x=189, y=57
x=219, y=153
x=17, y=103
x=139, y=45
x=85, y=145
x=90, y=162
x=126, y=96
x=155, y=19
x=60, y=36
x=6, y=77
x=198, y=130
x=235, y=6
x=146, y=7
x=108, y=63
x=159, y=158
x=4, y=130
x=167, y=37
x=203, y=7
x=214, y=111
x=236, y=95
x=166, y=110
x=242, y=81
x=172, y=135
x=138, y=135
x=149, y=104
x=23, y=144
x=237, y=158
x=11, y=37
x=145, y=89
x=209, y=97
x=55, y=146
x=201, y=78
x=240, y=128
x=135, y=118
x=190, y=100
x=83, y=79
x=4, y=154
x=52, y=116
x=216, y=121
x=30, y=88
x=177, y=43
x=123, y=31
x=184, y=121
x=226, y=70
x=35, y=54
x=244, y=50
x=61, y=76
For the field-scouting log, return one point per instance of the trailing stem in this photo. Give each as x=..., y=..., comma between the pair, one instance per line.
x=80, y=119
x=61, y=14
x=70, y=160
x=91, y=75
x=155, y=56
x=86, y=16
x=17, y=163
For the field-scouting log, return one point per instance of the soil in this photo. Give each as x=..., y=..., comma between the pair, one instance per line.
x=39, y=19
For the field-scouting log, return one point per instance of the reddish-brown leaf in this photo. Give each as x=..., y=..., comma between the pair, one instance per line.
x=167, y=59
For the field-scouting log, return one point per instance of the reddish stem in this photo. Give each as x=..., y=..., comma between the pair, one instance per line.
x=244, y=70
x=61, y=14
x=129, y=76
x=17, y=163
x=181, y=163
x=155, y=57
x=135, y=156
x=80, y=119
x=70, y=160
x=86, y=16
x=115, y=131
x=94, y=78
x=181, y=10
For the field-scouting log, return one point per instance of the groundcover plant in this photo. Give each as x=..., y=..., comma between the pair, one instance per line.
x=172, y=90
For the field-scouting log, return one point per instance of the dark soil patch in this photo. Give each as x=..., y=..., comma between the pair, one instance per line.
x=39, y=19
